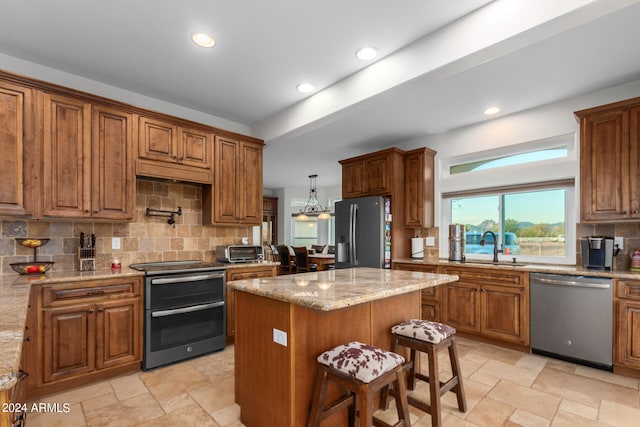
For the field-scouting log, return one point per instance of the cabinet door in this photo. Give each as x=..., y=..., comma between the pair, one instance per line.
x=118, y=332
x=418, y=188
x=634, y=156
x=502, y=311
x=604, y=167
x=627, y=349
x=195, y=148
x=353, y=177
x=157, y=140
x=113, y=195
x=68, y=342
x=16, y=125
x=250, y=209
x=66, y=157
x=226, y=188
x=462, y=310
x=378, y=176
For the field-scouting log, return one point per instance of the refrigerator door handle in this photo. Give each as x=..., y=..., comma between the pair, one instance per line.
x=353, y=224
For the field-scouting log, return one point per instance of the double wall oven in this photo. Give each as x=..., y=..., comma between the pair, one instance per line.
x=185, y=311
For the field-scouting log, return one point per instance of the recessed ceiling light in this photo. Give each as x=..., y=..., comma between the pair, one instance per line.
x=305, y=87
x=203, y=40
x=367, y=53
x=491, y=111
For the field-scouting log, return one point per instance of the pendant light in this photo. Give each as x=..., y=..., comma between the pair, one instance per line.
x=313, y=206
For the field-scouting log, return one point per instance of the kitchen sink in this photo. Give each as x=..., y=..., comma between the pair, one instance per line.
x=500, y=263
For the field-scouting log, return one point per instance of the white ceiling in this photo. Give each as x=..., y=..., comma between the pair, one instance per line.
x=265, y=48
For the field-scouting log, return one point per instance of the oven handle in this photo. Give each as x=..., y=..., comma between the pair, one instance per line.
x=183, y=279
x=191, y=309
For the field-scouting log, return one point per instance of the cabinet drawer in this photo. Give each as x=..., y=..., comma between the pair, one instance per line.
x=249, y=274
x=488, y=276
x=628, y=289
x=67, y=294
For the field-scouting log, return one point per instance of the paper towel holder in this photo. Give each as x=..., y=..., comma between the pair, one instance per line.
x=417, y=247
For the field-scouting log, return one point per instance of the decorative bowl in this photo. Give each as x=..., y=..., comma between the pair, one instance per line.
x=30, y=242
x=35, y=267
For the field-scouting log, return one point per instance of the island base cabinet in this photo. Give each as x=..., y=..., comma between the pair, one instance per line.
x=274, y=382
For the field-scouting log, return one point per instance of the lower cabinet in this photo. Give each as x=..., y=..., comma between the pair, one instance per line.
x=85, y=331
x=431, y=297
x=489, y=302
x=627, y=325
x=240, y=273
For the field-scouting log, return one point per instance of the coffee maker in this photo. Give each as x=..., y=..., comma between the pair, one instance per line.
x=598, y=252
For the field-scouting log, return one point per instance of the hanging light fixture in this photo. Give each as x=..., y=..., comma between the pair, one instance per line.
x=313, y=206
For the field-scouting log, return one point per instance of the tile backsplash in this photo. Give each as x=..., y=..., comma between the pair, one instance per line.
x=630, y=232
x=145, y=239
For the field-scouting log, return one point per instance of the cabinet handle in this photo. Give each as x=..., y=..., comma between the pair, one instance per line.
x=181, y=158
x=100, y=310
x=96, y=211
x=91, y=311
x=624, y=212
x=27, y=339
x=175, y=157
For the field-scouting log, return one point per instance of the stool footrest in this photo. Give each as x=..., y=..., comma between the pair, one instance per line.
x=337, y=406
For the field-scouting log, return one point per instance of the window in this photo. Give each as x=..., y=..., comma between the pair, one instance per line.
x=528, y=223
x=510, y=160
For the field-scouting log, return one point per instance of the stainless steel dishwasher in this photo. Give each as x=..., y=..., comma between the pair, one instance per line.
x=572, y=318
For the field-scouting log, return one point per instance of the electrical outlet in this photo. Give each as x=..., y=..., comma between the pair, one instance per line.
x=430, y=241
x=115, y=243
x=280, y=337
x=619, y=242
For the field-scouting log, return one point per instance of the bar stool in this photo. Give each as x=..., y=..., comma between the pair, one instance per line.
x=429, y=337
x=363, y=370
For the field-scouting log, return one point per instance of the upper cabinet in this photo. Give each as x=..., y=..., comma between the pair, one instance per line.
x=374, y=174
x=169, y=150
x=87, y=160
x=236, y=194
x=610, y=162
x=16, y=137
x=418, y=188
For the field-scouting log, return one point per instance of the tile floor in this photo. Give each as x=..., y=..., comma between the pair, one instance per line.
x=503, y=388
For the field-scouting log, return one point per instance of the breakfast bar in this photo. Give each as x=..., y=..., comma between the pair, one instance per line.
x=283, y=323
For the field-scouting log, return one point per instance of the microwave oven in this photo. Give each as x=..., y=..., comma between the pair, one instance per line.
x=239, y=253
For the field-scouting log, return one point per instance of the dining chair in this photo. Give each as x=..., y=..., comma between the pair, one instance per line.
x=302, y=260
x=286, y=266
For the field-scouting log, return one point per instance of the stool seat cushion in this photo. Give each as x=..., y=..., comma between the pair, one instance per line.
x=361, y=361
x=424, y=330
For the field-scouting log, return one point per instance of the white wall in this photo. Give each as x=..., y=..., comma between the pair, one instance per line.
x=51, y=75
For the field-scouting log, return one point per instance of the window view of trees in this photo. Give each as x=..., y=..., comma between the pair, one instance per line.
x=527, y=223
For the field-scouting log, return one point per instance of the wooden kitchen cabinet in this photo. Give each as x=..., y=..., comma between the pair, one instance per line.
x=627, y=327
x=374, y=174
x=419, y=188
x=86, y=331
x=610, y=162
x=16, y=140
x=236, y=194
x=174, y=150
x=241, y=273
x=431, y=298
x=87, y=160
x=488, y=302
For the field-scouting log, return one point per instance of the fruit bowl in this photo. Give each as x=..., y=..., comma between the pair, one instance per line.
x=35, y=267
x=31, y=242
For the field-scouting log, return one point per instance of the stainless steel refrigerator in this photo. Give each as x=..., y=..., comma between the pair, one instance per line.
x=363, y=232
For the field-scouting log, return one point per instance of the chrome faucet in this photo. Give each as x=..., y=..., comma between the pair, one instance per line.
x=495, y=244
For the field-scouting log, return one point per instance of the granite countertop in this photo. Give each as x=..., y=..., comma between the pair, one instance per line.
x=14, y=300
x=528, y=267
x=335, y=289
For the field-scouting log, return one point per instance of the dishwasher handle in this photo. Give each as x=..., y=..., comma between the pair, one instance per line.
x=547, y=281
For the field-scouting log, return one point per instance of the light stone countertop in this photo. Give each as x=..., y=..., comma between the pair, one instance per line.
x=14, y=302
x=572, y=270
x=335, y=289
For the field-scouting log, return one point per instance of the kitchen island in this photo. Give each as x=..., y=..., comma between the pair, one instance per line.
x=283, y=323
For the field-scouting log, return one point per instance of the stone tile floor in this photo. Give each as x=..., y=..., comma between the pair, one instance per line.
x=503, y=388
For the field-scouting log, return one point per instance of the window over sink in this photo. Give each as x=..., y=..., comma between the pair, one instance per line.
x=524, y=194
